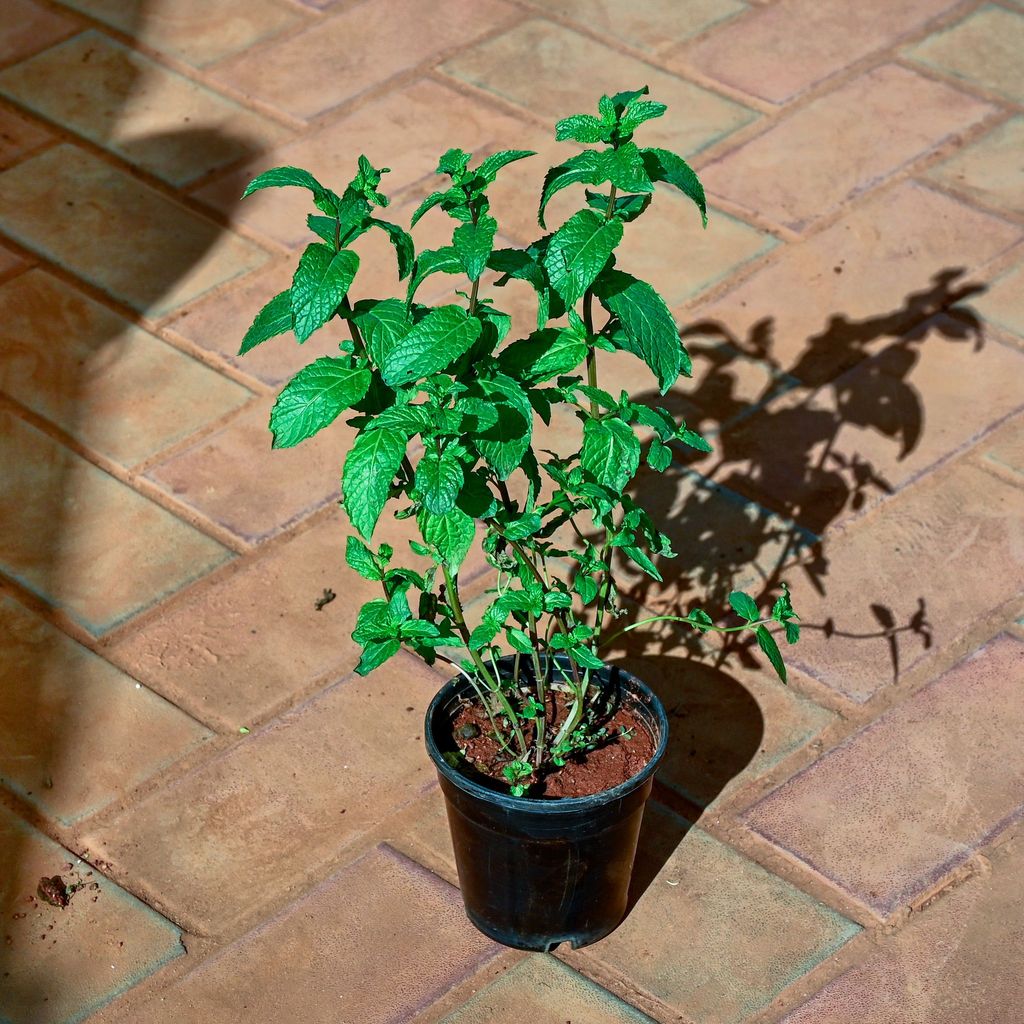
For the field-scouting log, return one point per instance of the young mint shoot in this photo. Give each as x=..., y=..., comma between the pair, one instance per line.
x=444, y=401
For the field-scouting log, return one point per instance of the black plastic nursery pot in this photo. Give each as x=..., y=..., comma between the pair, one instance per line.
x=536, y=872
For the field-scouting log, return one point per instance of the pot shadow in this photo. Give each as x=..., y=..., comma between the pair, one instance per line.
x=38, y=701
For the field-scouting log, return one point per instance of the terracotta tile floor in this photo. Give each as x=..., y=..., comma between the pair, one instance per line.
x=179, y=725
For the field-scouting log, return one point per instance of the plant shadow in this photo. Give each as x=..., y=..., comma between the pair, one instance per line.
x=811, y=446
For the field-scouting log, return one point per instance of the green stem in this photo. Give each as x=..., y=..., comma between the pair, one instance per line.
x=702, y=626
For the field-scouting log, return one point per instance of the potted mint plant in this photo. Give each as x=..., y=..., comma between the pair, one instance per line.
x=544, y=751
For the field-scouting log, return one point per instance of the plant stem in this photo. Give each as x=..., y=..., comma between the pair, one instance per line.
x=494, y=685
x=702, y=626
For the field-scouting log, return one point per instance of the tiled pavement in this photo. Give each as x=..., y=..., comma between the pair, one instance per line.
x=179, y=726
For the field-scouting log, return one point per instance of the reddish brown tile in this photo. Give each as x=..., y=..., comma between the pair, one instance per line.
x=95, y=732
x=389, y=939
x=303, y=76
x=29, y=27
x=61, y=965
x=280, y=805
x=109, y=384
x=919, y=789
x=19, y=137
x=84, y=541
x=848, y=141
x=778, y=63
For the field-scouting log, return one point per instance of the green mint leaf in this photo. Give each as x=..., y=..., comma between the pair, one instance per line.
x=273, y=319
x=375, y=653
x=543, y=355
x=518, y=640
x=639, y=556
x=405, y=250
x=383, y=323
x=325, y=227
x=771, y=649
x=663, y=165
x=321, y=281
x=439, y=479
x=433, y=261
x=624, y=168
x=649, y=329
x=441, y=336
x=447, y=200
x=792, y=632
x=580, y=128
x=523, y=526
x=473, y=243
x=621, y=100
x=504, y=444
x=314, y=397
x=744, y=606
x=586, y=586
x=280, y=177
x=370, y=469
x=701, y=620
x=453, y=163
x=578, y=252
x=606, y=108
x=659, y=456
x=489, y=168
x=360, y=557
x=452, y=534
x=374, y=622
x=585, y=657
x=611, y=452
x=694, y=440
x=638, y=111
x=586, y=167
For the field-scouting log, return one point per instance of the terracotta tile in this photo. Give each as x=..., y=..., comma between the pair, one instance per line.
x=108, y=383
x=100, y=945
x=151, y=116
x=10, y=263
x=86, y=542
x=119, y=234
x=543, y=988
x=817, y=456
x=377, y=41
x=406, y=130
x=554, y=72
x=18, y=136
x=1002, y=303
x=728, y=724
x=95, y=733
x=920, y=788
x=230, y=656
x=777, y=64
x=827, y=302
x=171, y=25
x=653, y=26
x=1008, y=451
x=219, y=322
x=958, y=524
x=990, y=170
x=983, y=49
x=678, y=257
x=425, y=837
x=724, y=939
x=28, y=28
x=389, y=937
x=957, y=961
x=850, y=140
x=235, y=478
x=281, y=804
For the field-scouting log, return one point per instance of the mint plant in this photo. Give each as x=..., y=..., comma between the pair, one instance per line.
x=445, y=403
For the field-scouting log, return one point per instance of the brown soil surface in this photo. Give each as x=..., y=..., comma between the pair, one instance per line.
x=584, y=774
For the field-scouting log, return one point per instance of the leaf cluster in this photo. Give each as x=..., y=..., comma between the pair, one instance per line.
x=444, y=402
